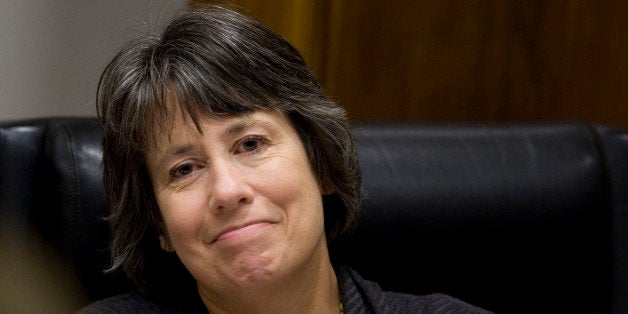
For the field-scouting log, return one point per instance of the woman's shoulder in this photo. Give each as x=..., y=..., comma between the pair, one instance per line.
x=429, y=303
x=363, y=296
x=130, y=302
x=138, y=302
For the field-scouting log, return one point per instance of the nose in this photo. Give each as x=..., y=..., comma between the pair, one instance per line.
x=229, y=187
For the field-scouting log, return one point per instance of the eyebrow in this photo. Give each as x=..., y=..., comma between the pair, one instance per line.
x=240, y=126
x=174, y=151
x=243, y=124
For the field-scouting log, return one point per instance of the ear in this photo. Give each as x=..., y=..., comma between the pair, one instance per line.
x=165, y=244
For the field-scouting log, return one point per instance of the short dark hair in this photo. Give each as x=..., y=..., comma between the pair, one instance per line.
x=217, y=62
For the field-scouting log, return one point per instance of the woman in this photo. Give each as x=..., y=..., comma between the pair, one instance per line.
x=228, y=171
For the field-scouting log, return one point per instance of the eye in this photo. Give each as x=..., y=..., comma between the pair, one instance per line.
x=250, y=145
x=183, y=170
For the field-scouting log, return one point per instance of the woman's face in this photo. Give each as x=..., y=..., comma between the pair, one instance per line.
x=241, y=205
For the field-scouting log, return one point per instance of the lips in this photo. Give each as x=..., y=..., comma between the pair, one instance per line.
x=240, y=230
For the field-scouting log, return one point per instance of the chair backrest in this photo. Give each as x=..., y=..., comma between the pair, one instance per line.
x=51, y=186
x=509, y=217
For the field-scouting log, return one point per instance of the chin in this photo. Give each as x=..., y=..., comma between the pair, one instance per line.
x=256, y=270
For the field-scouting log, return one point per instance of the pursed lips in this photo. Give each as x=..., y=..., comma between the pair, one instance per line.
x=234, y=230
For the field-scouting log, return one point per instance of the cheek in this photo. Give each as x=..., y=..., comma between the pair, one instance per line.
x=182, y=214
x=294, y=188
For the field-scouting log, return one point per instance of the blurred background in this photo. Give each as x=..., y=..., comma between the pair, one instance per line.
x=438, y=60
x=476, y=60
x=51, y=56
x=52, y=51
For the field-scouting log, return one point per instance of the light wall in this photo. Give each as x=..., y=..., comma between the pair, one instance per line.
x=52, y=51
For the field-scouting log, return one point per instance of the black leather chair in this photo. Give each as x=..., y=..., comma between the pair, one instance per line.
x=528, y=217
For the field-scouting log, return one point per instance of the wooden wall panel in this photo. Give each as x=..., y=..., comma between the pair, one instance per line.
x=474, y=60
